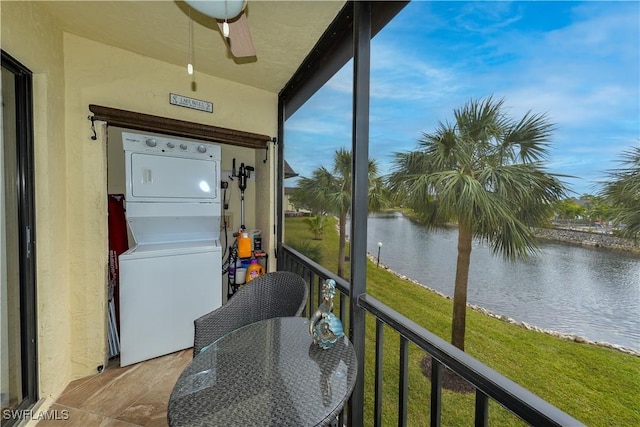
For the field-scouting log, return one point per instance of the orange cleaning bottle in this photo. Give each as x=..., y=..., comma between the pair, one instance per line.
x=244, y=245
x=254, y=270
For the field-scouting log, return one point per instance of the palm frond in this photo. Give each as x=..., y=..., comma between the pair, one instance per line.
x=623, y=191
x=486, y=170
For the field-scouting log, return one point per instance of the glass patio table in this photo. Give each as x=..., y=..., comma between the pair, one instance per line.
x=265, y=374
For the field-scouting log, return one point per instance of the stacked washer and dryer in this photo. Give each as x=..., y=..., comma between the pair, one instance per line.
x=173, y=274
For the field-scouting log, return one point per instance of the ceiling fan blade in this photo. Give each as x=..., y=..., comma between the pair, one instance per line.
x=239, y=41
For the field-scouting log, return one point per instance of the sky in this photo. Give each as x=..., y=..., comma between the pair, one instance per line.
x=576, y=62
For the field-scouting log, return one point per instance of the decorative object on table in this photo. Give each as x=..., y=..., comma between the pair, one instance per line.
x=324, y=326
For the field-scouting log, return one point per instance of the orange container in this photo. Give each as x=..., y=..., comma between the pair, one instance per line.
x=255, y=270
x=244, y=245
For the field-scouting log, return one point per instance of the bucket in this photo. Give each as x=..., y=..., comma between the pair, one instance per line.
x=241, y=276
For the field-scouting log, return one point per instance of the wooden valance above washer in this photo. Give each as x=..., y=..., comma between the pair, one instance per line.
x=164, y=125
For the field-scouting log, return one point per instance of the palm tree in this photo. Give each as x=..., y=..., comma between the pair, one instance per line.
x=330, y=191
x=486, y=173
x=623, y=192
x=316, y=225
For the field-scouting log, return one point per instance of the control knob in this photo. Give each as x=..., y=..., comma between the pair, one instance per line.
x=202, y=149
x=151, y=142
x=170, y=144
x=183, y=146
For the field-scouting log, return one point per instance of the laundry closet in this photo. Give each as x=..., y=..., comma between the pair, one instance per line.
x=166, y=247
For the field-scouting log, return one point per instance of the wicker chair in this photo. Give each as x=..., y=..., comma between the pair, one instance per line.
x=276, y=294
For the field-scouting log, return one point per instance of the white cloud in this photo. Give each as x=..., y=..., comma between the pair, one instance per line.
x=584, y=73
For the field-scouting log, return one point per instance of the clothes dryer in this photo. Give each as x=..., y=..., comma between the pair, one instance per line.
x=173, y=274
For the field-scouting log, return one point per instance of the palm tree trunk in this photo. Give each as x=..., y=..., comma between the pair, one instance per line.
x=342, y=225
x=460, y=292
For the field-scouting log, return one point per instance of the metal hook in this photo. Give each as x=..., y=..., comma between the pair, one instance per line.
x=266, y=149
x=93, y=129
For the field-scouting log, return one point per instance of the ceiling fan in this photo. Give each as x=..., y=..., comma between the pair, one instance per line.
x=232, y=20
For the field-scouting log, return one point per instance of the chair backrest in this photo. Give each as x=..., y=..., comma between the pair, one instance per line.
x=276, y=294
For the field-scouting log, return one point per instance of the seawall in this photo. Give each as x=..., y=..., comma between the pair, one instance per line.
x=587, y=238
x=576, y=236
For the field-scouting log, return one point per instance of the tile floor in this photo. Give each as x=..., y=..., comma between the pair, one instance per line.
x=136, y=395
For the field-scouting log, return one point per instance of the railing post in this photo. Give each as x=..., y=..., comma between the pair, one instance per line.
x=436, y=392
x=359, y=197
x=403, y=382
x=377, y=408
x=482, y=409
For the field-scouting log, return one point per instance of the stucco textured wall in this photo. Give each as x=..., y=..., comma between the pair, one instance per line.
x=104, y=75
x=33, y=38
x=70, y=73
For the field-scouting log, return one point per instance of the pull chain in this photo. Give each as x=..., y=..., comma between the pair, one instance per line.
x=190, y=64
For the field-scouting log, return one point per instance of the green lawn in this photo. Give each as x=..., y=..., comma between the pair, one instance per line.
x=598, y=386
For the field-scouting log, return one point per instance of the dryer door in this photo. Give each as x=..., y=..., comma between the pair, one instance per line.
x=171, y=179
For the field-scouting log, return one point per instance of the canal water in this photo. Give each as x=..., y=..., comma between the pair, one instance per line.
x=590, y=292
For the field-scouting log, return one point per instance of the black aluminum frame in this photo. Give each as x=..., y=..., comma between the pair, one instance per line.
x=348, y=36
x=27, y=235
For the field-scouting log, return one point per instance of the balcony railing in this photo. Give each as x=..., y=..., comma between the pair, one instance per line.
x=488, y=383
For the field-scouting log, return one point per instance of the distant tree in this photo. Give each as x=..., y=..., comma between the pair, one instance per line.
x=303, y=200
x=597, y=209
x=485, y=172
x=568, y=209
x=330, y=191
x=623, y=192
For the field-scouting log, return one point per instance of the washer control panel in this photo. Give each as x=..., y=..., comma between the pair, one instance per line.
x=160, y=145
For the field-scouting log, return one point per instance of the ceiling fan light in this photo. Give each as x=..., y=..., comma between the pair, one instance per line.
x=218, y=9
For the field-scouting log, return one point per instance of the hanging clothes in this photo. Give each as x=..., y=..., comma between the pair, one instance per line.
x=118, y=243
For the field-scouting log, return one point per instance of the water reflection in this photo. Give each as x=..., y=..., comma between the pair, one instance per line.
x=585, y=291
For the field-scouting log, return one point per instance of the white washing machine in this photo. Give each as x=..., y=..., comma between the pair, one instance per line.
x=173, y=274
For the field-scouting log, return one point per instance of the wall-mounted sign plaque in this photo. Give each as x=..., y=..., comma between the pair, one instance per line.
x=196, y=104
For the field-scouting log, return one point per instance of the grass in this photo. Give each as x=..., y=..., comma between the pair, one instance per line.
x=596, y=385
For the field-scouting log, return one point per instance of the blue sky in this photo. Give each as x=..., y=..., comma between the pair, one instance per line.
x=578, y=62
